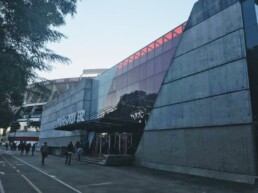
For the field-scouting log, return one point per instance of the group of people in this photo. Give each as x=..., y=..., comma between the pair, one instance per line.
x=23, y=146
x=70, y=149
x=12, y=145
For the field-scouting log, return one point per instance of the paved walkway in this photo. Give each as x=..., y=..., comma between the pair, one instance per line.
x=90, y=178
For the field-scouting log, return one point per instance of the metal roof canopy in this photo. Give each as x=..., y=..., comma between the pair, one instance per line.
x=103, y=125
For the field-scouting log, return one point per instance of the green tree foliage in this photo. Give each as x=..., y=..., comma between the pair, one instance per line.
x=26, y=26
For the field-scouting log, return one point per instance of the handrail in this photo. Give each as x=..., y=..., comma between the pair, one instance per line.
x=101, y=113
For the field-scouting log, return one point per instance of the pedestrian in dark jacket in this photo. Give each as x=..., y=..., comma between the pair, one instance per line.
x=27, y=148
x=44, y=152
x=33, y=148
x=6, y=146
x=23, y=145
x=69, y=151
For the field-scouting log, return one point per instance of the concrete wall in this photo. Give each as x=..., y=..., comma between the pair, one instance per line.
x=76, y=99
x=202, y=118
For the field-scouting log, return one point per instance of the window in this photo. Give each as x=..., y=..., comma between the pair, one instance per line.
x=143, y=85
x=150, y=85
x=158, y=64
x=150, y=68
x=143, y=71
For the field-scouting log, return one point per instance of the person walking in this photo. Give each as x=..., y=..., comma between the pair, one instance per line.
x=27, y=148
x=69, y=152
x=79, y=153
x=6, y=146
x=14, y=146
x=33, y=148
x=44, y=152
x=77, y=145
x=22, y=148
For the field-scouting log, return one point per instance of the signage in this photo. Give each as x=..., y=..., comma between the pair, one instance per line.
x=71, y=118
x=137, y=115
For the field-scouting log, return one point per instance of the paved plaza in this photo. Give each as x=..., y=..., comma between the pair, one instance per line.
x=27, y=174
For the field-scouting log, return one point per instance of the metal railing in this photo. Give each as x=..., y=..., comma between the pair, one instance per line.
x=101, y=113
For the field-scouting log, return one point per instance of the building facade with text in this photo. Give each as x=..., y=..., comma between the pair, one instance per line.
x=186, y=102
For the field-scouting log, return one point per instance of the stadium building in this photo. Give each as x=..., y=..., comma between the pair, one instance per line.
x=26, y=124
x=186, y=102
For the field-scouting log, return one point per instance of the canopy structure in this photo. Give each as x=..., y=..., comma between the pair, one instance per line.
x=103, y=125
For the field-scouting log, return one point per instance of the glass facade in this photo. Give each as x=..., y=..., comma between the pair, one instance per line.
x=117, y=103
x=131, y=86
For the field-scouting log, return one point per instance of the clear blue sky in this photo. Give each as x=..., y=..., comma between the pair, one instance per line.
x=104, y=32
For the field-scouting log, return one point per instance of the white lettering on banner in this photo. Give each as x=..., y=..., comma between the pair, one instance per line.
x=71, y=118
x=80, y=116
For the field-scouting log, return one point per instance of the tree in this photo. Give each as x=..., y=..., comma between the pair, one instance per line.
x=26, y=26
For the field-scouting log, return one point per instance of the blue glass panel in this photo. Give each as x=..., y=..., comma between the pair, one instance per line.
x=125, y=69
x=135, y=75
x=143, y=85
x=167, y=57
x=175, y=41
x=143, y=58
x=130, y=77
x=158, y=81
x=119, y=82
x=158, y=50
x=123, y=91
x=124, y=80
x=130, y=66
x=113, y=86
x=167, y=45
x=158, y=64
x=135, y=87
x=136, y=62
x=150, y=85
x=150, y=68
x=143, y=71
x=130, y=88
x=119, y=71
x=150, y=54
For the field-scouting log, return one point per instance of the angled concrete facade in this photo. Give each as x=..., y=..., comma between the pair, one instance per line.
x=187, y=102
x=202, y=120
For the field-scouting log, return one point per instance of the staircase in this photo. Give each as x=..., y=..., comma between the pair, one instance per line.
x=107, y=160
x=90, y=160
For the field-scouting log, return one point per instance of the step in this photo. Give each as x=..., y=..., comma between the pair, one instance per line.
x=108, y=160
x=91, y=160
